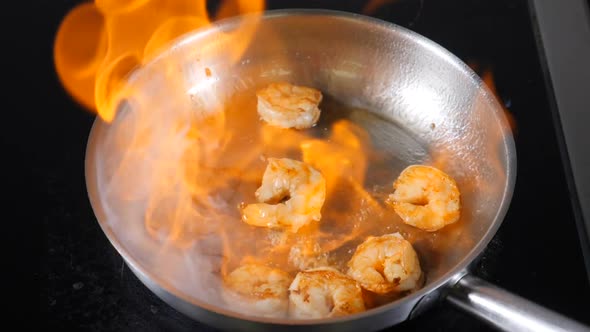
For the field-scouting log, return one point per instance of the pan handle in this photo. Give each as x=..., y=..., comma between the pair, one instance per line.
x=506, y=311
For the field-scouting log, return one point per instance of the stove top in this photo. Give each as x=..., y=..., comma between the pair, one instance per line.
x=537, y=253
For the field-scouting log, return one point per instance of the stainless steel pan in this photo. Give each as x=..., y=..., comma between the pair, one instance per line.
x=409, y=82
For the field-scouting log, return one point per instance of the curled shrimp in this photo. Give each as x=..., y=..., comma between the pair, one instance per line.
x=426, y=197
x=259, y=289
x=324, y=292
x=385, y=264
x=302, y=186
x=289, y=106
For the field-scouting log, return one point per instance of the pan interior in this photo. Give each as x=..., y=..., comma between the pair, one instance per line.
x=417, y=103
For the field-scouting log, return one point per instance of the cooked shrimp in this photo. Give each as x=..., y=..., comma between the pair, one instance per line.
x=289, y=106
x=302, y=186
x=258, y=289
x=425, y=197
x=385, y=264
x=324, y=292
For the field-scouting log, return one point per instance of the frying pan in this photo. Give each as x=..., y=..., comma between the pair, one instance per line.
x=421, y=103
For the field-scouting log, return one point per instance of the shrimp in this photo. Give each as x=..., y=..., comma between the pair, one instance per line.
x=259, y=289
x=385, y=264
x=289, y=106
x=324, y=292
x=302, y=186
x=425, y=197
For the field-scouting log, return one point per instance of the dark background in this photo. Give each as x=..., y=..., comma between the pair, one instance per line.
x=84, y=283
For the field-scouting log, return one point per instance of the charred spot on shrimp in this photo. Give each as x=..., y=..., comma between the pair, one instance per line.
x=419, y=201
x=330, y=305
x=380, y=268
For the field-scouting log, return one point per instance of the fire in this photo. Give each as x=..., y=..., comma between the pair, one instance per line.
x=488, y=78
x=340, y=156
x=99, y=44
x=183, y=164
x=373, y=5
x=477, y=186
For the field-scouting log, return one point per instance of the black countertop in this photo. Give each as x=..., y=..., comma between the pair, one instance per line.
x=85, y=285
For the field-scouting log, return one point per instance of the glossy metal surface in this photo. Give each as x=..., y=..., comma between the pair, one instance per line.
x=507, y=311
x=423, y=104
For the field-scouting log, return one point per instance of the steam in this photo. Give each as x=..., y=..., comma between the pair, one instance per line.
x=166, y=218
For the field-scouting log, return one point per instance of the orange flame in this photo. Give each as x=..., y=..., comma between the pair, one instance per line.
x=374, y=5
x=189, y=169
x=442, y=158
x=340, y=156
x=98, y=44
x=488, y=78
